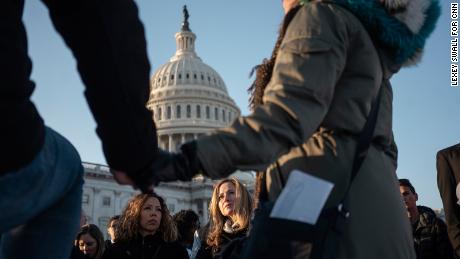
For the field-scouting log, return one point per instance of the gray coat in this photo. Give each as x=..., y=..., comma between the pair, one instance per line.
x=326, y=75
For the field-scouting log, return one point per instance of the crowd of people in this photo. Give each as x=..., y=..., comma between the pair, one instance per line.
x=321, y=105
x=146, y=229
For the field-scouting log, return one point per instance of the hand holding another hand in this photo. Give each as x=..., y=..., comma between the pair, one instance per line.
x=165, y=167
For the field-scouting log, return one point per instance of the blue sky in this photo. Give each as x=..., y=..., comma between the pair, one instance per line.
x=232, y=37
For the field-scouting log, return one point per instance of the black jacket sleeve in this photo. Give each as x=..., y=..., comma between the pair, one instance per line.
x=107, y=39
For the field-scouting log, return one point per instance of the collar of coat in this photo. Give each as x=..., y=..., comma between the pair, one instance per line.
x=400, y=26
x=427, y=217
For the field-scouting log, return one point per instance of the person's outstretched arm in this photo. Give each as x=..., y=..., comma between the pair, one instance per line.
x=107, y=39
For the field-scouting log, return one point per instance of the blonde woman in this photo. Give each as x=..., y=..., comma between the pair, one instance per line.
x=230, y=212
x=146, y=230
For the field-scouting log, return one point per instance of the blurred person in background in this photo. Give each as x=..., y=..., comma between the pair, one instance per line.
x=187, y=222
x=111, y=230
x=90, y=241
x=429, y=231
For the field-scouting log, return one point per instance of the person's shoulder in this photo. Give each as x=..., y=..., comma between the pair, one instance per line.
x=449, y=151
x=429, y=217
x=325, y=11
x=316, y=12
x=426, y=212
x=320, y=24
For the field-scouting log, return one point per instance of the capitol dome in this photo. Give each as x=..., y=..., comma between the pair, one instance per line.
x=187, y=97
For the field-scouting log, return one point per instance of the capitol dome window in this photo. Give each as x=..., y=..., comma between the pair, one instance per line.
x=223, y=115
x=180, y=76
x=178, y=111
x=187, y=76
x=208, y=113
x=189, y=111
x=172, y=77
x=168, y=112
x=198, y=111
x=159, y=113
x=216, y=114
x=202, y=77
x=194, y=76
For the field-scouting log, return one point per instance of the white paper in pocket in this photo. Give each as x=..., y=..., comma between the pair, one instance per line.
x=303, y=198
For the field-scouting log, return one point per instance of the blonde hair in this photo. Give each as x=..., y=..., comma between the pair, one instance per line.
x=129, y=224
x=241, y=217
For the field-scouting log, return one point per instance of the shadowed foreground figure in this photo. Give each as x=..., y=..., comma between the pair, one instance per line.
x=41, y=175
x=448, y=167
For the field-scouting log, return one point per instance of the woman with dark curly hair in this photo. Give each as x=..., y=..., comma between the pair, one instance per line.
x=230, y=213
x=146, y=230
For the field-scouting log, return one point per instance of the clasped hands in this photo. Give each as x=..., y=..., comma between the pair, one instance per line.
x=164, y=167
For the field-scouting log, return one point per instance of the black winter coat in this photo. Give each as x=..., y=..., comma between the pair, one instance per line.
x=430, y=236
x=208, y=252
x=148, y=247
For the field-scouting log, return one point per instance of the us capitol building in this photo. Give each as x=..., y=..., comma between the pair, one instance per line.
x=187, y=98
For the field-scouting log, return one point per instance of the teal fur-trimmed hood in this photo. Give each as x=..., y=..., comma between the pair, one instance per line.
x=400, y=26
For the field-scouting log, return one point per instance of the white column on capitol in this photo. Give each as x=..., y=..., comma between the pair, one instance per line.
x=182, y=138
x=205, y=210
x=170, y=142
